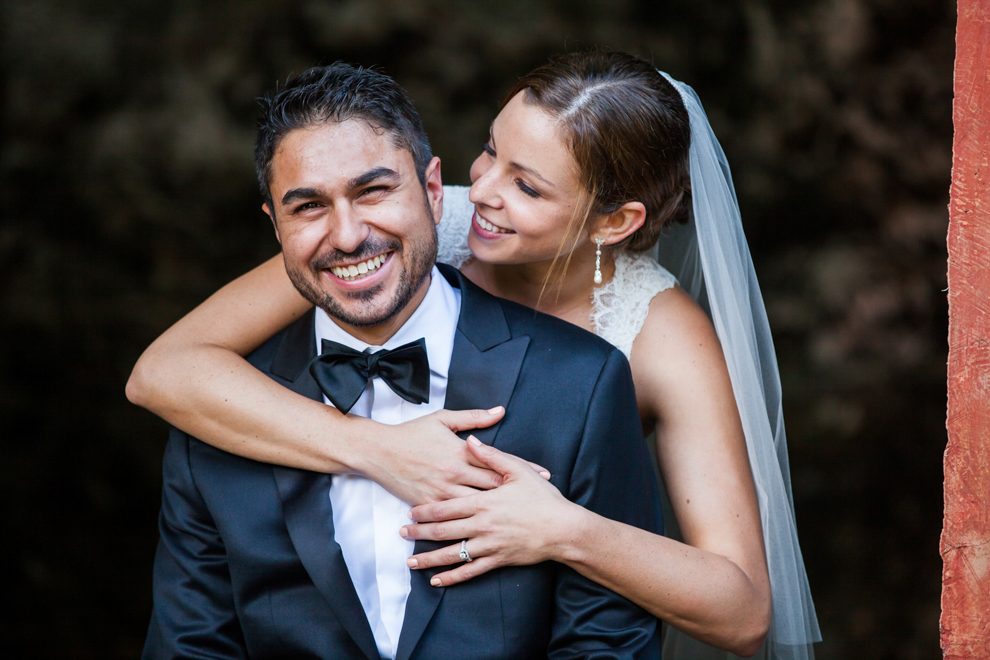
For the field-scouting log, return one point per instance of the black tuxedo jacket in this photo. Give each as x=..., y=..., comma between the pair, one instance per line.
x=247, y=565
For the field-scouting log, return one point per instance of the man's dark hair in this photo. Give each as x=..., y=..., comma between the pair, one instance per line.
x=336, y=93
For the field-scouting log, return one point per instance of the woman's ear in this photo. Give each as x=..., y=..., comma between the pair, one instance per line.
x=621, y=224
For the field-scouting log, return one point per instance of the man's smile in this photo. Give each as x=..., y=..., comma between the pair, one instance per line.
x=361, y=269
x=361, y=274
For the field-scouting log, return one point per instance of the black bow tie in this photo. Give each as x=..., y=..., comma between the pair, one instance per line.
x=343, y=373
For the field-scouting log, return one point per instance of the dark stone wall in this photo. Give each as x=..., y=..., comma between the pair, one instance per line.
x=127, y=196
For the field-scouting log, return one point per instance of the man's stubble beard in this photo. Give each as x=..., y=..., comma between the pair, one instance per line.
x=422, y=259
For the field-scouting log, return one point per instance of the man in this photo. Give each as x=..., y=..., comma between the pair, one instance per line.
x=261, y=561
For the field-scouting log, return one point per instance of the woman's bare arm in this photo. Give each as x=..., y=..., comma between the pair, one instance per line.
x=180, y=375
x=194, y=377
x=715, y=585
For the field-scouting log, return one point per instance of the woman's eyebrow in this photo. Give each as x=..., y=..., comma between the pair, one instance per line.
x=531, y=172
x=515, y=165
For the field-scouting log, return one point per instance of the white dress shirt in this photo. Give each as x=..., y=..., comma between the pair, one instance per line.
x=366, y=517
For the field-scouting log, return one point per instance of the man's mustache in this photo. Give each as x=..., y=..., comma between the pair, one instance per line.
x=370, y=248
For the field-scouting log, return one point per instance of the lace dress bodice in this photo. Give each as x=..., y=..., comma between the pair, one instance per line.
x=452, y=232
x=619, y=307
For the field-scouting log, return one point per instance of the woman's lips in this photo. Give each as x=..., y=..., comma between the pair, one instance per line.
x=486, y=229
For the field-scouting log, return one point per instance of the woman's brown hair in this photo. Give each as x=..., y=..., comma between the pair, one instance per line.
x=628, y=131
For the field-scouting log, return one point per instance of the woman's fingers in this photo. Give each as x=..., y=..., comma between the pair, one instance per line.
x=443, y=557
x=481, y=477
x=501, y=462
x=462, y=507
x=458, y=492
x=439, y=531
x=540, y=470
x=473, y=459
x=464, y=572
x=465, y=420
x=449, y=556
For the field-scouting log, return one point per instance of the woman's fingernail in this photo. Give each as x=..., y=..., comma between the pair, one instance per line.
x=409, y=514
x=404, y=532
x=474, y=441
x=544, y=474
x=496, y=410
x=435, y=582
x=412, y=563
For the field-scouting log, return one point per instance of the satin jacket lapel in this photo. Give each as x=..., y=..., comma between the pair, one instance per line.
x=306, y=500
x=486, y=360
x=482, y=340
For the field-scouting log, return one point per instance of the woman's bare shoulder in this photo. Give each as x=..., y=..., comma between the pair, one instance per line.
x=677, y=345
x=675, y=322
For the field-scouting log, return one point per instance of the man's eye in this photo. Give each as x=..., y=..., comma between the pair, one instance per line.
x=487, y=148
x=307, y=206
x=374, y=189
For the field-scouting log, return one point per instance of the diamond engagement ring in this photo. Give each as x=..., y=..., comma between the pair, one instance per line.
x=463, y=554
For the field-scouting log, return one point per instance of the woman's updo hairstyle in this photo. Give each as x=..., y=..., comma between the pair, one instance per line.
x=628, y=131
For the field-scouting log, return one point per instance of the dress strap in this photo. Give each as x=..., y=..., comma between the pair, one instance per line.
x=620, y=306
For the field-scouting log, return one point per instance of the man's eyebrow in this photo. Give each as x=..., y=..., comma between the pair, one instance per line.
x=372, y=175
x=515, y=165
x=301, y=193
x=356, y=182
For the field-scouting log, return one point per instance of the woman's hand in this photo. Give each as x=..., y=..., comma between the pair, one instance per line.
x=422, y=461
x=516, y=524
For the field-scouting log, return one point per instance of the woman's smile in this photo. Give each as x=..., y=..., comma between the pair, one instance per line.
x=488, y=230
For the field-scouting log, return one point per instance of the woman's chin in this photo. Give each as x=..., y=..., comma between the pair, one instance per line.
x=497, y=254
x=507, y=252
x=485, y=252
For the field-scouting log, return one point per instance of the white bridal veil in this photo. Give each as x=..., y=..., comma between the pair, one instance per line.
x=711, y=260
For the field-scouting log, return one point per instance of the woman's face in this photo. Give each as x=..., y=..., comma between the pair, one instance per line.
x=524, y=189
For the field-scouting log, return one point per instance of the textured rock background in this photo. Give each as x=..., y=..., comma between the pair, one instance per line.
x=127, y=196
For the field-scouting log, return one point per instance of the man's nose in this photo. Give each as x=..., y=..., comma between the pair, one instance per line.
x=348, y=230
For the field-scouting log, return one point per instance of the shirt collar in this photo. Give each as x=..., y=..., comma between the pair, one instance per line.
x=435, y=320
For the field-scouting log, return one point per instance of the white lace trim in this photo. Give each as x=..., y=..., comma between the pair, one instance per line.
x=452, y=232
x=620, y=306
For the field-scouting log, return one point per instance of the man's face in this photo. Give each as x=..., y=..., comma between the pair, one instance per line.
x=357, y=229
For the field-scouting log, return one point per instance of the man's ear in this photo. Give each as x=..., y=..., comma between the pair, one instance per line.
x=271, y=216
x=434, y=189
x=619, y=225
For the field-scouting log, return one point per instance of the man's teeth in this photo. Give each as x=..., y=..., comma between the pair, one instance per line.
x=363, y=269
x=487, y=226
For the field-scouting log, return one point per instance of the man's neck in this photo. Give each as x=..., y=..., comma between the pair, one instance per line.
x=377, y=335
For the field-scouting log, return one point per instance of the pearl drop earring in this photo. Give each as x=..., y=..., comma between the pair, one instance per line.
x=598, y=260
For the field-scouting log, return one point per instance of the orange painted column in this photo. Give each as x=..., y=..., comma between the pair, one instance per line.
x=965, y=544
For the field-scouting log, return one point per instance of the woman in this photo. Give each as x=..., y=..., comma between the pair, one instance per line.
x=586, y=163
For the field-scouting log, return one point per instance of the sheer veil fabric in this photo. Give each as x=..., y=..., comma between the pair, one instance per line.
x=711, y=260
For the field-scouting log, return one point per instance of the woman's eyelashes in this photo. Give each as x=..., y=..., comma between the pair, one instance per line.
x=526, y=189
x=522, y=185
